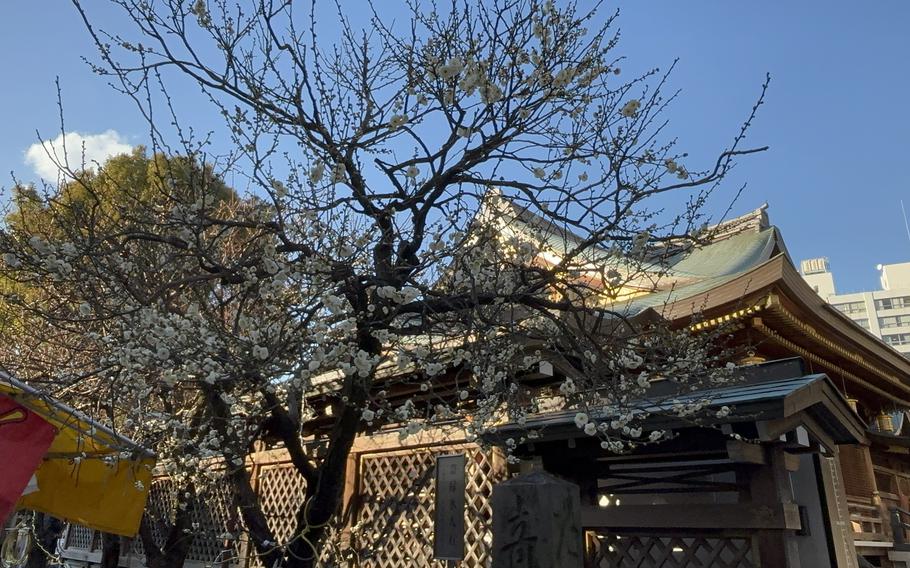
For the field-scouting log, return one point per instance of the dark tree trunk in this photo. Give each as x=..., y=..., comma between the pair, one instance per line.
x=324, y=498
x=177, y=544
x=110, y=550
x=48, y=529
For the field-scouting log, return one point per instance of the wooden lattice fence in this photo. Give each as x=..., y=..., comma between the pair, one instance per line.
x=607, y=550
x=388, y=520
x=397, y=505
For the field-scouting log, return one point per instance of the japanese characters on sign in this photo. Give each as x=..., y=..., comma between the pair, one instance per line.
x=448, y=526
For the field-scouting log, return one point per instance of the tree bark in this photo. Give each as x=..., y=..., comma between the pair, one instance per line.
x=149, y=547
x=323, y=499
x=110, y=550
x=177, y=544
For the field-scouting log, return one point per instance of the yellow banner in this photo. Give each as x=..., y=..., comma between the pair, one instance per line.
x=106, y=497
x=90, y=475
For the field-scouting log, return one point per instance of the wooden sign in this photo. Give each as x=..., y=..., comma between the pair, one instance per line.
x=448, y=522
x=537, y=523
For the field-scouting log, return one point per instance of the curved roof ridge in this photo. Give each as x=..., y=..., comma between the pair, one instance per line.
x=754, y=221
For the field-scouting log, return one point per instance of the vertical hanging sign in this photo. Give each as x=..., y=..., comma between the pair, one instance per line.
x=448, y=522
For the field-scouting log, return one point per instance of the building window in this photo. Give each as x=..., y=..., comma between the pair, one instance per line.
x=862, y=322
x=897, y=339
x=893, y=303
x=893, y=321
x=851, y=307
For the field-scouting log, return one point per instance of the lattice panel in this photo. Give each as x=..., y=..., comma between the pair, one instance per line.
x=643, y=551
x=79, y=537
x=282, y=491
x=212, y=517
x=855, y=473
x=160, y=508
x=394, y=521
x=396, y=515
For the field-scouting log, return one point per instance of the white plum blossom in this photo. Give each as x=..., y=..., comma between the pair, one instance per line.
x=640, y=242
x=567, y=387
x=581, y=419
x=450, y=69
x=69, y=250
x=630, y=109
x=643, y=380
x=631, y=360
x=490, y=93
x=398, y=120
x=339, y=173
x=39, y=244
x=316, y=172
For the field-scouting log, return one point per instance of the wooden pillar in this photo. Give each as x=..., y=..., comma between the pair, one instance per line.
x=883, y=511
x=769, y=484
x=350, y=498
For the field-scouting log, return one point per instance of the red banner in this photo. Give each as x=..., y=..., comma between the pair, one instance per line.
x=24, y=439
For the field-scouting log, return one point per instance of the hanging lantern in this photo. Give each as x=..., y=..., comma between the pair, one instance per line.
x=17, y=543
x=885, y=422
x=752, y=358
x=853, y=404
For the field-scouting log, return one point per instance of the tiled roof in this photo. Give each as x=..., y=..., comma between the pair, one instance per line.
x=738, y=245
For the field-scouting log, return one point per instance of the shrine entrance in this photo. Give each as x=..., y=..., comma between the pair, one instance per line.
x=668, y=514
x=761, y=490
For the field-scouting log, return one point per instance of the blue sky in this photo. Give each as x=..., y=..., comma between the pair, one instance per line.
x=837, y=116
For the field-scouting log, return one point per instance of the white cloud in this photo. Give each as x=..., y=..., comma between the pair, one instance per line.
x=81, y=150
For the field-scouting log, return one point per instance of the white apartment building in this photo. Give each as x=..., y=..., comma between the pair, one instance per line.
x=884, y=313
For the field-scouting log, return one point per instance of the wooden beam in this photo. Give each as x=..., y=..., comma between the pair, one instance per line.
x=772, y=430
x=742, y=452
x=812, y=357
x=791, y=461
x=693, y=516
